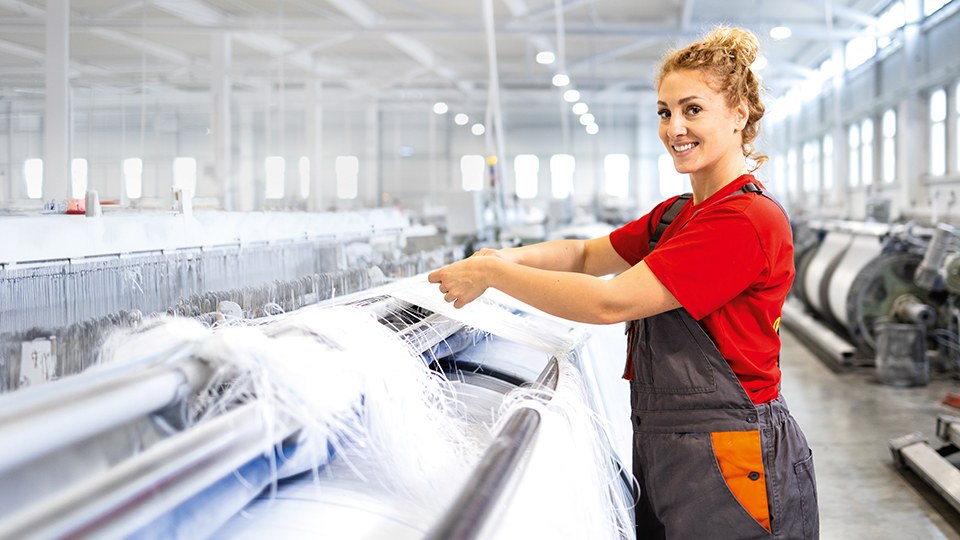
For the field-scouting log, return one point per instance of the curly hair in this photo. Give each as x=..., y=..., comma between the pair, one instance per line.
x=725, y=55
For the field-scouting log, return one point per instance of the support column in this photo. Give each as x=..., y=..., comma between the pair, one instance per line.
x=57, y=126
x=371, y=188
x=11, y=174
x=245, y=185
x=841, y=146
x=913, y=158
x=221, y=56
x=315, y=144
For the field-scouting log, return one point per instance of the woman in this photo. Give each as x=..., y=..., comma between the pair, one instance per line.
x=701, y=280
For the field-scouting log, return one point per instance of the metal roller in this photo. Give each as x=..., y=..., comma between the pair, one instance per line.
x=862, y=250
x=876, y=289
x=821, y=267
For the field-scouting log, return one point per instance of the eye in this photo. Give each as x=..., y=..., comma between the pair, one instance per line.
x=663, y=114
x=694, y=110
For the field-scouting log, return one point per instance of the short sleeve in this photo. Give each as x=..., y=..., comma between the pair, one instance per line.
x=711, y=260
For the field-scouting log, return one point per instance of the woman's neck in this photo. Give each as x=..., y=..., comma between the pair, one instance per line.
x=706, y=183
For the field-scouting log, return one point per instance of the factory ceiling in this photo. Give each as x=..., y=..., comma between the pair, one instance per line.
x=392, y=51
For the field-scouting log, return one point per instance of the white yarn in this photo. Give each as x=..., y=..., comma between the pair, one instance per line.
x=411, y=422
x=541, y=333
x=347, y=380
x=569, y=486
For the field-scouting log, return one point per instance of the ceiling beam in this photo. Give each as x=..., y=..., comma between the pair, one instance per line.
x=23, y=7
x=412, y=47
x=144, y=45
x=613, y=54
x=840, y=11
x=305, y=27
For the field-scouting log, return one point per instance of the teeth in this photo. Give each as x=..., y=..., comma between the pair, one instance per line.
x=684, y=148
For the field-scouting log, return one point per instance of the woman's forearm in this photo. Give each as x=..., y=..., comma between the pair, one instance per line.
x=559, y=255
x=595, y=257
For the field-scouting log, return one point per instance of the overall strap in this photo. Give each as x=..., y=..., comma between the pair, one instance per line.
x=667, y=218
x=750, y=187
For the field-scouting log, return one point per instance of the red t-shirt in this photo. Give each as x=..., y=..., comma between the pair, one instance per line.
x=729, y=262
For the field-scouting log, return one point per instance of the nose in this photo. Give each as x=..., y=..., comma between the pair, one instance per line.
x=676, y=126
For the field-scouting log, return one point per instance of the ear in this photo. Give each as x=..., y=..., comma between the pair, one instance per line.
x=740, y=115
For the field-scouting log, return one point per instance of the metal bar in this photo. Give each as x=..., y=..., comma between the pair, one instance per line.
x=914, y=452
x=952, y=432
x=823, y=340
x=138, y=490
x=44, y=420
x=466, y=517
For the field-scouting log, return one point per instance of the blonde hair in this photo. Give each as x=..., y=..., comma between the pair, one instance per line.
x=725, y=55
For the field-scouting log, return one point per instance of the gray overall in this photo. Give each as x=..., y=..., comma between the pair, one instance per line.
x=683, y=392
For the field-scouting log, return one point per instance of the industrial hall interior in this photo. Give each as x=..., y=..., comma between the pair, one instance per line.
x=480, y=269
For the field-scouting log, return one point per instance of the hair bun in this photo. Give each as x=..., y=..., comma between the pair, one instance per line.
x=742, y=45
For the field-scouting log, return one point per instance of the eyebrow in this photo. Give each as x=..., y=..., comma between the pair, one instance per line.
x=682, y=100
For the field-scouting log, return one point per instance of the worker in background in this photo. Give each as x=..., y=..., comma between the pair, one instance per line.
x=700, y=281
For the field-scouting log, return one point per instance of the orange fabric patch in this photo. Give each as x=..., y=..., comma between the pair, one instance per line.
x=741, y=462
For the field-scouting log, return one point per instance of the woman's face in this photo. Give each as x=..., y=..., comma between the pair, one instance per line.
x=700, y=131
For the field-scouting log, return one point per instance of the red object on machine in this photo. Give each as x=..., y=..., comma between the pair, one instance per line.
x=952, y=400
x=76, y=206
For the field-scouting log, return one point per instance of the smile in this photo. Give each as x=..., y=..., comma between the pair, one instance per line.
x=684, y=147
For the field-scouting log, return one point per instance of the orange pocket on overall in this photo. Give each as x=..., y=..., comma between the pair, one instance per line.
x=740, y=458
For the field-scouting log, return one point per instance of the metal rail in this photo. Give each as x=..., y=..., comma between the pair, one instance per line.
x=143, y=487
x=828, y=345
x=41, y=419
x=468, y=514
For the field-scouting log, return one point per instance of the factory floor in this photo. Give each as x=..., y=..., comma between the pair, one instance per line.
x=849, y=419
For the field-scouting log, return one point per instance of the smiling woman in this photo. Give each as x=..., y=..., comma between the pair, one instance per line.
x=716, y=452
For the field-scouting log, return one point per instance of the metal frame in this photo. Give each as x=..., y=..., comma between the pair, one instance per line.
x=913, y=451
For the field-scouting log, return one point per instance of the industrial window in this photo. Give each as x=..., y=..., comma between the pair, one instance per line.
x=78, y=177
x=811, y=167
x=616, y=174
x=957, y=122
x=671, y=182
x=858, y=50
x=931, y=6
x=133, y=177
x=853, y=155
x=938, y=133
x=866, y=152
x=827, y=163
x=185, y=173
x=33, y=176
x=303, y=167
x=891, y=19
x=276, y=169
x=526, y=169
x=348, y=170
x=827, y=70
x=471, y=172
x=562, y=167
x=792, y=170
x=889, y=172
x=778, y=168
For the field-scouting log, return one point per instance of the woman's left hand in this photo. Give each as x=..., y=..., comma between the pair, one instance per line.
x=464, y=281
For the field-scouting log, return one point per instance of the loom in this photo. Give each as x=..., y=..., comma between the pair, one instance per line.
x=166, y=442
x=862, y=286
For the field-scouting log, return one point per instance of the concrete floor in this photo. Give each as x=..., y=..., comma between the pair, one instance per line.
x=849, y=418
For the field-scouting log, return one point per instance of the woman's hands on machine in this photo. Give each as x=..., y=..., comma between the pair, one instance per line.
x=464, y=281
